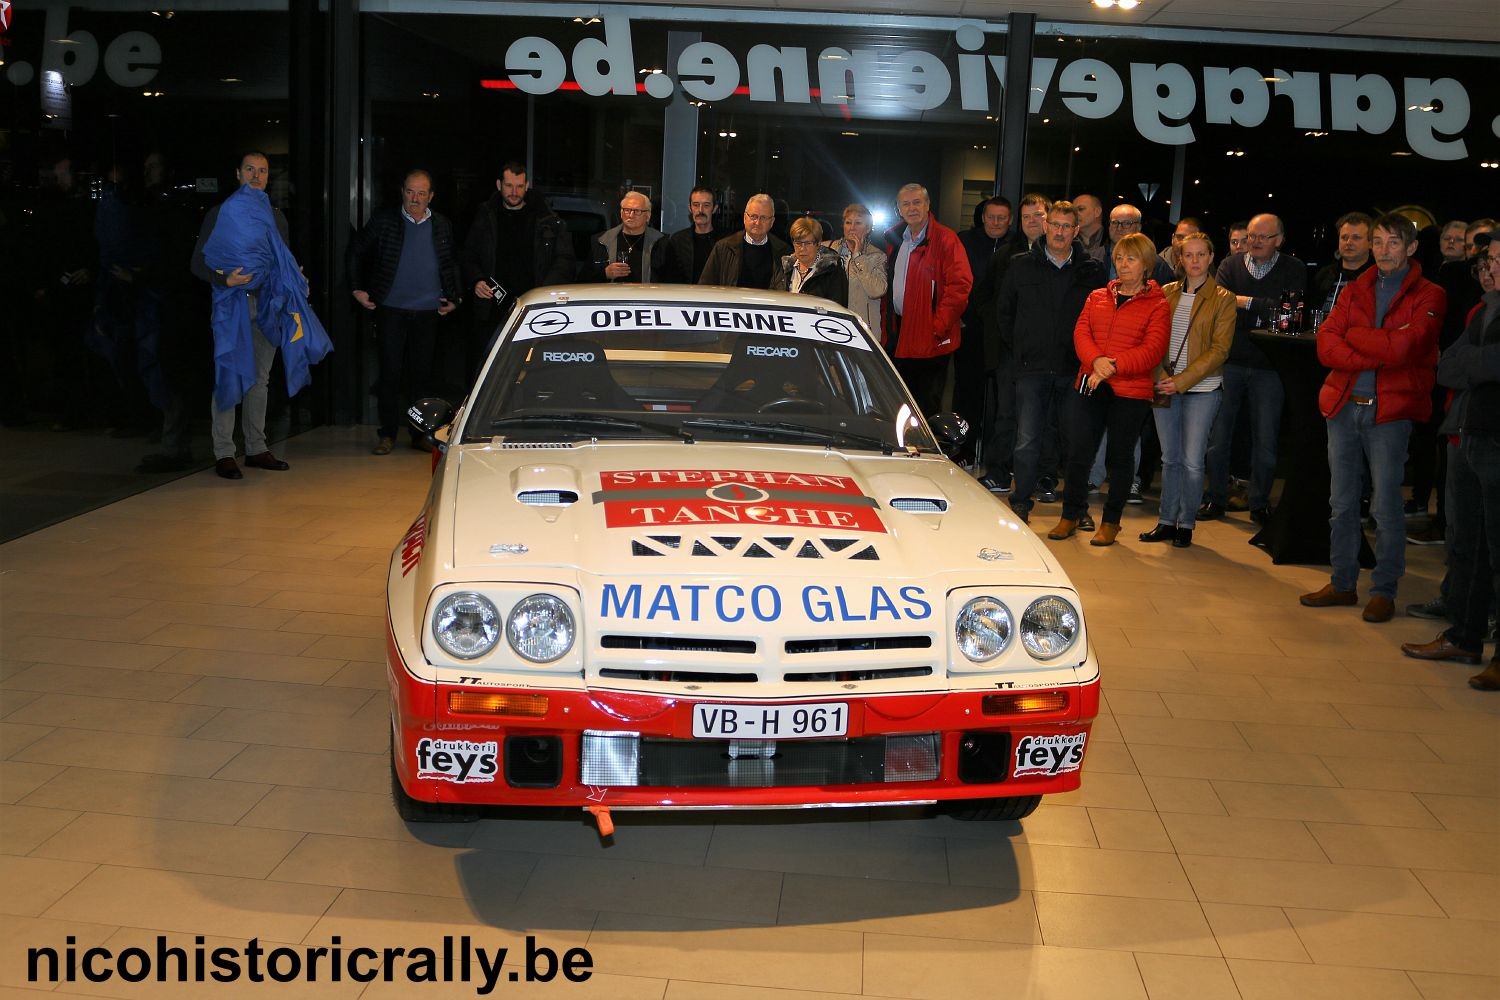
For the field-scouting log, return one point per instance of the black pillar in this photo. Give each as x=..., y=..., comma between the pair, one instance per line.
x=1010, y=164
x=343, y=158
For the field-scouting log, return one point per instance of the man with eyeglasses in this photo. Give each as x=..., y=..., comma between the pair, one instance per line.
x=750, y=258
x=1380, y=346
x=626, y=252
x=685, y=252
x=1039, y=303
x=1125, y=219
x=1258, y=279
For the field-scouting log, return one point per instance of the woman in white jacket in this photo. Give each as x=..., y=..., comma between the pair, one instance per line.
x=864, y=265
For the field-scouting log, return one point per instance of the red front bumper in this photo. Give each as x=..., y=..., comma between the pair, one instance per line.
x=424, y=726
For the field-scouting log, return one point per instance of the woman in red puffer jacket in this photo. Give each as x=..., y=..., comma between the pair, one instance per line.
x=1121, y=336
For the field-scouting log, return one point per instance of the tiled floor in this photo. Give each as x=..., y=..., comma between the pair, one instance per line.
x=192, y=734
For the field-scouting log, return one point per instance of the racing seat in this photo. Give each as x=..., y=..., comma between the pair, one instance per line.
x=765, y=370
x=569, y=373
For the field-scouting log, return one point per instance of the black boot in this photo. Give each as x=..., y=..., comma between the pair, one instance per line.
x=1161, y=533
x=1184, y=538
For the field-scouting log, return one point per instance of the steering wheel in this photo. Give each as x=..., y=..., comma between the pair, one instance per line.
x=792, y=404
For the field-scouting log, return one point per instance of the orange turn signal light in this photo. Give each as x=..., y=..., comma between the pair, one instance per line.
x=493, y=703
x=1025, y=703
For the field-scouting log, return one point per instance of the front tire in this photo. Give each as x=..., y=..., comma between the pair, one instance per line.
x=993, y=810
x=416, y=811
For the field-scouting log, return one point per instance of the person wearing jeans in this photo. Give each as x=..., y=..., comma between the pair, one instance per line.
x=1380, y=346
x=1039, y=399
x=1189, y=387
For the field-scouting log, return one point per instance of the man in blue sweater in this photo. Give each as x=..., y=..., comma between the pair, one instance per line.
x=403, y=270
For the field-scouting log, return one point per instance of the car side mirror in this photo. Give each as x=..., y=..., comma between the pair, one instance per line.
x=427, y=415
x=952, y=431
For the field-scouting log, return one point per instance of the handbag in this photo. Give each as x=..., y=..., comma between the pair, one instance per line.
x=1169, y=368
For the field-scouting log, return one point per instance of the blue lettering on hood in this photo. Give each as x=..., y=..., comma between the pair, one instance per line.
x=729, y=603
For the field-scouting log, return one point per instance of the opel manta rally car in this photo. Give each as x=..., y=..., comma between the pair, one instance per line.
x=693, y=547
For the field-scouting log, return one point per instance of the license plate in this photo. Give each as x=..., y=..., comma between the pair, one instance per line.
x=771, y=722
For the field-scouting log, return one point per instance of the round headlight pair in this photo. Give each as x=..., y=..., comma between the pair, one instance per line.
x=983, y=628
x=540, y=627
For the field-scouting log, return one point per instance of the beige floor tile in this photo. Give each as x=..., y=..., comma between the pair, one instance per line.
x=344, y=647
x=99, y=682
x=698, y=893
x=1308, y=884
x=1148, y=618
x=395, y=919
x=639, y=836
x=196, y=904
x=1104, y=730
x=1269, y=665
x=1464, y=894
x=113, y=715
x=358, y=674
x=323, y=623
x=347, y=814
x=1109, y=791
x=1347, y=692
x=679, y=989
x=1129, y=830
x=1242, y=837
x=22, y=828
x=17, y=736
x=1331, y=805
x=1456, y=749
x=1108, y=758
x=1133, y=656
x=99, y=629
x=1463, y=812
x=257, y=641
x=324, y=700
x=1127, y=702
x=390, y=866
x=348, y=584
x=207, y=800
x=967, y=970
x=1171, y=732
x=1259, y=932
x=783, y=958
x=251, y=666
x=1198, y=642
x=1413, y=776
x=1329, y=741
x=599, y=986
x=214, y=615
x=18, y=779
x=1445, y=986
x=130, y=752
x=84, y=652
x=1412, y=720
x=350, y=772
x=353, y=734
x=292, y=564
x=1386, y=941
x=1407, y=671
x=1189, y=681
x=1184, y=795
x=1244, y=765
x=41, y=596
x=1140, y=874
x=344, y=604
x=1077, y=920
x=1186, y=977
x=1068, y=826
x=34, y=884
x=149, y=591
x=169, y=845
x=917, y=909
x=1204, y=706
x=1281, y=980
x=1397, y=847
x=30, y=932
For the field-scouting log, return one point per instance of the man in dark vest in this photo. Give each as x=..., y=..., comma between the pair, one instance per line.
x=750, y=258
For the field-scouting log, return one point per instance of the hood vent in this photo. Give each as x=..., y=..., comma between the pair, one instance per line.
x=535, y=445
x=547, y=498
x=920, y=505
x=768, y=547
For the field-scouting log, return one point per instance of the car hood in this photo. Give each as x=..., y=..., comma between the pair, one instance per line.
x=632, y=508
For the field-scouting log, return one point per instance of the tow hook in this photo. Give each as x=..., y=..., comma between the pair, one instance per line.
x=602, y=818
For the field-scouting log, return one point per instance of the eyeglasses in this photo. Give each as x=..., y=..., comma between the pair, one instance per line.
x=804, y=243
x=758, y=218
x=1263, y=237
x=635, y=211
x=1125, y=223
x=1061, y=225
x=1480, y=263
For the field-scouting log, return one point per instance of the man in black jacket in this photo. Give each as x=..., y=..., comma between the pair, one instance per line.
x=516, y=243
x=1039, y=302
x=685, y=252
x=403, y=270
x=750, y=258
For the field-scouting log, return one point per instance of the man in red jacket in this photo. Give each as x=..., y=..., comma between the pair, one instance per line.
x=1380, y=344
x=929, y=287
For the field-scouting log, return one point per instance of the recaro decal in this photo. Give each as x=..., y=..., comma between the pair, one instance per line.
x=650, y=497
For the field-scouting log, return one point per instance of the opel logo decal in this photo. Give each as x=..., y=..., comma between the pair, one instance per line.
x=549, y=323
x=833, y=331
x=738, y=493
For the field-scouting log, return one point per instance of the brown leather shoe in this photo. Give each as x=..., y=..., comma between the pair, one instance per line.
x=1105, y=535
x=266, y=460
x=1487, y=679
x=1380, y=609
x=1065, y=528
x=227, y=469
x=1330, y=598
x=384, y=447
x=1441, y=649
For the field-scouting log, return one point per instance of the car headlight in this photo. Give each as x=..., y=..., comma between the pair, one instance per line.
x=1049, y=627
x=466, y=625
x=540, y=628
x=983, y=629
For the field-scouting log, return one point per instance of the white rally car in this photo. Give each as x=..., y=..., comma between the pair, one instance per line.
x=693, y=547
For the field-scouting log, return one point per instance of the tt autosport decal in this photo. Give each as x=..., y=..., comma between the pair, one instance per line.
x=458, y=761
x=544, y=322
x=656, y=497
x=1049, y=755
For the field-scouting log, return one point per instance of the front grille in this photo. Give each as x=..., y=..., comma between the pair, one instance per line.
x=677, y=676
x=678, y=645
x=859, y=645
x=625, y=759
x=844, y=676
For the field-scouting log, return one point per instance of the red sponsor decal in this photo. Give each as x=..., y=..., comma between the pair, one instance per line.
x=5, y=13
x=411, y=545
x=642, y=498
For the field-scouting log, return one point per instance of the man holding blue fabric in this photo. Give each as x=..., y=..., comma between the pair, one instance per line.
x=248, y=390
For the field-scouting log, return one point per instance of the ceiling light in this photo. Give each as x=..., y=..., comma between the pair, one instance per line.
x=1273, y=79
x=1122, y=4
x=1400, y=152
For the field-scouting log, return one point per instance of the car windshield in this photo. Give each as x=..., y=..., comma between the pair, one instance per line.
x=690, y=372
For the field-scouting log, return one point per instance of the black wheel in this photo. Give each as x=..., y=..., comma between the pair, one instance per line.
x=792, y=404
x=415, y=811
x=994, y=810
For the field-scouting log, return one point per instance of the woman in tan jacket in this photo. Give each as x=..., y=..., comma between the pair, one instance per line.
x=864, y=264
x=1188, y=387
